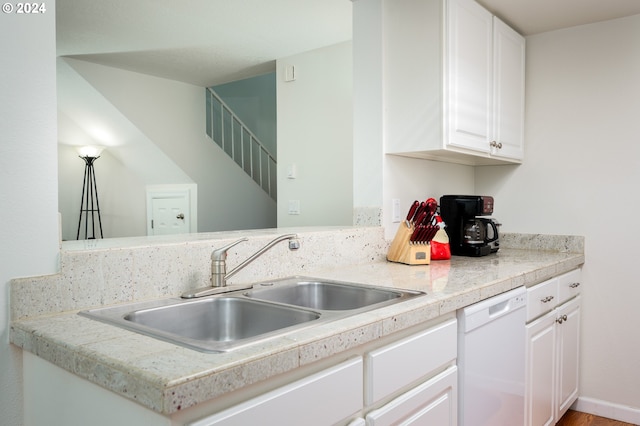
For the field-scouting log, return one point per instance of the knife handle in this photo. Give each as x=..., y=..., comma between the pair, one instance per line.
x=414, y=234
x=420, y=218
x=412, y=209
x=432, y=229
x=421, y=208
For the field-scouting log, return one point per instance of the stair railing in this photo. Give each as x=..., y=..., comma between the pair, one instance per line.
x=240, y=143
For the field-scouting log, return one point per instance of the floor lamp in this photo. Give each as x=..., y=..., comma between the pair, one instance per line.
x=89, y=205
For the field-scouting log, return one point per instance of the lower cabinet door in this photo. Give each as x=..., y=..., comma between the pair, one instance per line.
x=432, y=403
x=539, y=379
x=568, y=346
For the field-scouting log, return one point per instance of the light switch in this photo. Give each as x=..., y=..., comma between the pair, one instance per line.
x=292, y=171
x=395, y=210
x=289, y=73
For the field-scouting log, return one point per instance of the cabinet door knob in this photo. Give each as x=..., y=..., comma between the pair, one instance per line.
x=561, y=319
x=495, y=144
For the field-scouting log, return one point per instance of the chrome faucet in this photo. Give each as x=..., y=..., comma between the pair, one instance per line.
x=219, y=273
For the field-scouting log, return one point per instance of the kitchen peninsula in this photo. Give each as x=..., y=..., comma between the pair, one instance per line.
x=176, y=385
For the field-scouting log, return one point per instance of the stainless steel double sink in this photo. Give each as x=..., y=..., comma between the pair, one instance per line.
x=231, y=320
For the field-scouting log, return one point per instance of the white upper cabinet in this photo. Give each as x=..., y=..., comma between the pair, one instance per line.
x=470, y=75
x=508, y=92
x=453, y=83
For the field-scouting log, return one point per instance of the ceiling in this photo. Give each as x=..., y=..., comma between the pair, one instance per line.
x=203, y=42
x=530, y=17
x=208, y=42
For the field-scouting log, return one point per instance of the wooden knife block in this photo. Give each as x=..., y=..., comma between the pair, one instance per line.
x=403, y=251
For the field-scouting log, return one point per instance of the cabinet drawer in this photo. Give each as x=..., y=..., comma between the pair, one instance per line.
x=321, y=399
x=568, y=285
x=392, y=367
x=542, y=298
x=433, y=402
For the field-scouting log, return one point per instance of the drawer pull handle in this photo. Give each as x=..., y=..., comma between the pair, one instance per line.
x=546, y=299
x=574, y=285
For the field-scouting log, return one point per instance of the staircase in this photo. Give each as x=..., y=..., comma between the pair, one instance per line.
x=230, y=133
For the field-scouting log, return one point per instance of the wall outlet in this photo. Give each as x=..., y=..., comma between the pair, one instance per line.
x=294, y=206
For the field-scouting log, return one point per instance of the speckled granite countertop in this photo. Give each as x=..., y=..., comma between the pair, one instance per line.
x=168, y=378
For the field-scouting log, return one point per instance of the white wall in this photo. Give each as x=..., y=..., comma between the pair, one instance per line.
x=315, y=133
x=410, y=179
x=171, y=114
x=28, y=175
x=580, y=176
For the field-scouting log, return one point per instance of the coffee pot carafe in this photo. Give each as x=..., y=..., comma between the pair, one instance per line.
x=474, y=232
x=481, y=231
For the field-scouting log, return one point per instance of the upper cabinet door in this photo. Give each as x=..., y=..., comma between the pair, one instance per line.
x=508, y=85
x=470, y=75
x=453, y=83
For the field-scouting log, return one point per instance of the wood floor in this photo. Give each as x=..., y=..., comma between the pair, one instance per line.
x=576, y=418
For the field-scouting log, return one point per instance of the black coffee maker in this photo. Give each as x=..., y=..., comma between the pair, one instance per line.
x=470, y=234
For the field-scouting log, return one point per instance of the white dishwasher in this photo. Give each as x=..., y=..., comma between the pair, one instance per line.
x=491, y=361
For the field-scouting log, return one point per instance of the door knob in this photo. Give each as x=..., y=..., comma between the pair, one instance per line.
x=180, y=216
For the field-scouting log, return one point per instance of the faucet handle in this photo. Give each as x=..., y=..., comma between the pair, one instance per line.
x=221, y=253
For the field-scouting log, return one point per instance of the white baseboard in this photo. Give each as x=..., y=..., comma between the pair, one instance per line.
x=607, y=409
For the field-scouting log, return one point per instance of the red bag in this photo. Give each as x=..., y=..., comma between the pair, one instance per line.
x=440, y=248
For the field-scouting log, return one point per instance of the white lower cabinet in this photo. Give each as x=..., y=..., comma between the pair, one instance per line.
x=415, y=379
x=431, y=403
x=411, y=380
x=552, y=349
x=541, y=349
x=567, y=355
x=394, y=366
x=324, y=398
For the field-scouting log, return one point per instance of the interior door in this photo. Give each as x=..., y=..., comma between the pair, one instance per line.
x=169, y=215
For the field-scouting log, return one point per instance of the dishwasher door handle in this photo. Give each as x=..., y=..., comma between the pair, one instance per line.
x=499, y=308
x=488, y=310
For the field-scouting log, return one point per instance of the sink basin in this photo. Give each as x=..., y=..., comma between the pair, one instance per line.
x=220, y=319
x=227, y=321
x=212, y=324
x=324, y=294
